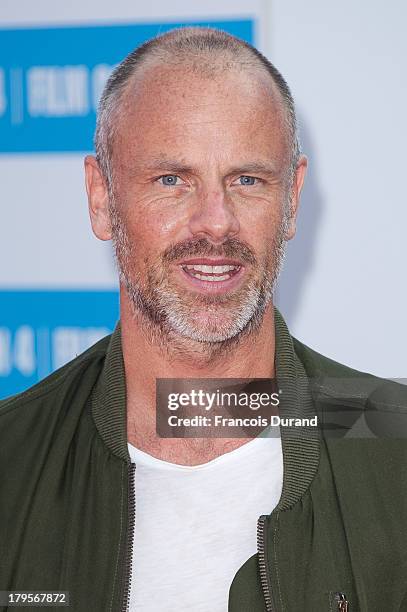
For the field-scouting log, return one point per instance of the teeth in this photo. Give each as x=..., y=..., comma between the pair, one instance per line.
x=211, y=269
x=212, y=278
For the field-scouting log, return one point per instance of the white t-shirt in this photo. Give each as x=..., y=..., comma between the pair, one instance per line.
x=196, y=525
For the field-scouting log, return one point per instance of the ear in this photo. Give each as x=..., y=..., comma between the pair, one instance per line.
x=298, y=182
x=98, y=199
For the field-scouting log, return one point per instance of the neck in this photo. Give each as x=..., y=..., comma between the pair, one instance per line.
x=149, y=355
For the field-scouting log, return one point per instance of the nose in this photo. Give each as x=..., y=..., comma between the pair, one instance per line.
x=214, y=217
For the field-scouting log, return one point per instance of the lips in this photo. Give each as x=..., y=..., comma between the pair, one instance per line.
x=212, y=275
x=211, y=270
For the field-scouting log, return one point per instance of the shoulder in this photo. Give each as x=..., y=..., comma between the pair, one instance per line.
x=347, y=393
x=318, y=365
x=79, y=375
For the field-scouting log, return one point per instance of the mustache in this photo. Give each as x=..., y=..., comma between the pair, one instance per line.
x=232, y=248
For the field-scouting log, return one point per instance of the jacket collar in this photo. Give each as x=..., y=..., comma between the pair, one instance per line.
x=300, y=444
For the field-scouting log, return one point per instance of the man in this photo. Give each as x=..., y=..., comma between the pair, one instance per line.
x=197, y=179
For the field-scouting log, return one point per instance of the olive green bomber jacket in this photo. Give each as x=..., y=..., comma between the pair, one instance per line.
x=336, y=541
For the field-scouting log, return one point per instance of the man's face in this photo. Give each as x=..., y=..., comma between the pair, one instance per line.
x=201, y=199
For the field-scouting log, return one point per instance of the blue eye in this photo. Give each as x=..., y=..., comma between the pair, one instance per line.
x=247, y=180
x=169, y=180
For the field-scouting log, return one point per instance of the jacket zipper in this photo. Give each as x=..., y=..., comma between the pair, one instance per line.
x=261, y=549
x=343, y=604
x=130, y=538
x=340, y=598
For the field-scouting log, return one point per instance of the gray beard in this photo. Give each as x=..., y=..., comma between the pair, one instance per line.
x=169, y=318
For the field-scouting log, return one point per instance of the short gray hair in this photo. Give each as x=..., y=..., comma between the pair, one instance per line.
x=193, y=45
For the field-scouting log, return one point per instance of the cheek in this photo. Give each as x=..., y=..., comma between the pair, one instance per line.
x=259, y=228
x=166, y=225
x=154, y=232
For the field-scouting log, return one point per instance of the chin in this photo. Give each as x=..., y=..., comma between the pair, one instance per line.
x=203, y=329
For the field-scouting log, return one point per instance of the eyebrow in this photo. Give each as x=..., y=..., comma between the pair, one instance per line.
x=175, y=166
x=254, y=167
x=165, y=164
